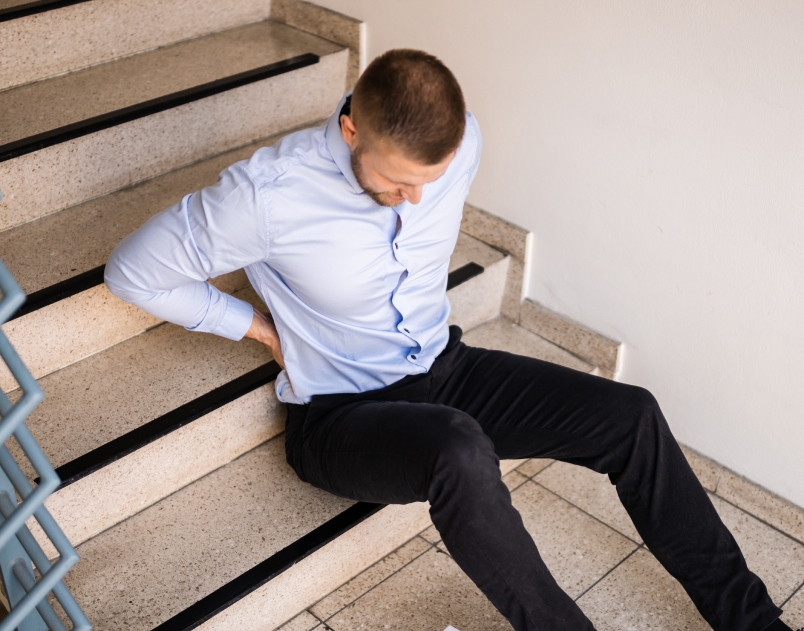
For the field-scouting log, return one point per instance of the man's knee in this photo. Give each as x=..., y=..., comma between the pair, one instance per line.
x=464, y=456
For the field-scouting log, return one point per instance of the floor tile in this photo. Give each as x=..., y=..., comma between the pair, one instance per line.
x=514, y=480
x=640, y=595
x=426, y=595
x=578, y=549
x=534, y=465
x=776, y=558
x=370, y=578
x=590, y=491
x=303, y=622
x=431, y=535
x=793, y=614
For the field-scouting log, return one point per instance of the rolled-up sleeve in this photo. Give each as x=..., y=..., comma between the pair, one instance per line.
x=163, y=266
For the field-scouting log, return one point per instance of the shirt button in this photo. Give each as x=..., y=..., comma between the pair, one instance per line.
x=396, y=245
x=413, y=356
x=406, y=331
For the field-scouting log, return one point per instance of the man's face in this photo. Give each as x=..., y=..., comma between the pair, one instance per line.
x=385, y=173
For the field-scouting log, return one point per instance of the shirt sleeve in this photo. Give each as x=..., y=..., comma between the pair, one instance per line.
x=163, y=266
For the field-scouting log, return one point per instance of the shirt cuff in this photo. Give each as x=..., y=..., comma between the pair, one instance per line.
x=236, y=320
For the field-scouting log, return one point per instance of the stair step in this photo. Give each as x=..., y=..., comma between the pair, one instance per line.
x=39, y=39
x=133, y=118
x=118, y=443
x=192, y=543
x=58, y=261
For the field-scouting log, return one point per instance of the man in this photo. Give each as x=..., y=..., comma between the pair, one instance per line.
x=345, y=231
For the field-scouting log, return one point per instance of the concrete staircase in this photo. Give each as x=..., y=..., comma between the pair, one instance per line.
x=169, y=443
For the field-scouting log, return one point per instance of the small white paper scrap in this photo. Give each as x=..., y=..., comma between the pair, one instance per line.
x=450, y=628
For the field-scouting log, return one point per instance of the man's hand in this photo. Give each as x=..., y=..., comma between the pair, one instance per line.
x=263, y=330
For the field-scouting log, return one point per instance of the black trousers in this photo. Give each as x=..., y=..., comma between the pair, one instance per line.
x=439, y=437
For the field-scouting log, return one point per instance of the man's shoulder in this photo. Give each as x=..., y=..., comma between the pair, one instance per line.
x=299, y=150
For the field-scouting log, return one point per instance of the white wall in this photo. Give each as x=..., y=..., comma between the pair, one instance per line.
x=656, y=150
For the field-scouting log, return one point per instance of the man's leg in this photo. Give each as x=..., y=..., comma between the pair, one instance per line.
x=400, y=452
x=530, y=408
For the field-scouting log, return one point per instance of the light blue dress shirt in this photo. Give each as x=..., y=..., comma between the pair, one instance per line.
x=357, y=305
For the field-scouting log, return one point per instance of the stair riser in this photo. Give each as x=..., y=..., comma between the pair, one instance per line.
x=61, y=40
x=302, y=585
x=65, y=332
x=122, y=489
x=61, y=334
x=142, y=478
x=480, y=299
x=45, y=181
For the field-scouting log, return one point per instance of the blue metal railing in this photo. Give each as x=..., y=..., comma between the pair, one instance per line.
x=30, y=607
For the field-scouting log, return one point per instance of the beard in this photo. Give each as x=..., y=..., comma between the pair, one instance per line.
x=380, y=198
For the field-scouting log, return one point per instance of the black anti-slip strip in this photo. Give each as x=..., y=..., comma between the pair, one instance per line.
x=60, y=291
x=173, y=420
x=247, y=582
x=31, y=8
x=153, y=106
x=187, y=413
x=462, y=274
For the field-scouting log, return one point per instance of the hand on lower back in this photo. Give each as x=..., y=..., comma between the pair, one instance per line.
x=263, y=330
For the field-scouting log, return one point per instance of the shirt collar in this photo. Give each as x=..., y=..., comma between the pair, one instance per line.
x=338, y=148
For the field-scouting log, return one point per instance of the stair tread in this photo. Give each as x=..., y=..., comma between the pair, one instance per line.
x=144, y=377
x=504, y=335
x=45, y=105
x=113, y=392
x=155, y=564
x=80, y=238
x=158, y=562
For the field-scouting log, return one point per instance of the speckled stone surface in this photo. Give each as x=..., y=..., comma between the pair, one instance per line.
x=503, y=335
x=328, y=24
x=478, y=299
x=707, y=471
x=775, y=558
x=45, y=105
x=591, y=492
x=155, y=564
x=760, y=502
x=322, y=572
x=514, y=293
x=131, y=484
x=57, y=177
x=793, y=610
x=639, y=595
x=88, y=33
x=428, y=594
x=303, y=622
x=371, y=577
x=82, y=237
x=532, y=466
x=496, y=231
x=93, y=401
x=596, y=349
x=576, y=548
x=471, y=250
x=49, y=338
x=514, y=480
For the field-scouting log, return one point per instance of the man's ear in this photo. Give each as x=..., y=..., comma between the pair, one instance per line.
x=349, y=131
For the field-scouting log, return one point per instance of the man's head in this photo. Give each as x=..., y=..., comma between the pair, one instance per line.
x=407, y=120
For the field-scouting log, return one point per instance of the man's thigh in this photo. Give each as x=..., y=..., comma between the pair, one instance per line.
x=383, y=451
x=532, y=408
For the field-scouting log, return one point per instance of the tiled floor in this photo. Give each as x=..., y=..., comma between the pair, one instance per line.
x=589, y=543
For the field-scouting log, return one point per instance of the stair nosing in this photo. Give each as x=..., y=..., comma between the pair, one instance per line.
x=126, y=444
x=65, y=133
x=32, y=8
x=251, y=580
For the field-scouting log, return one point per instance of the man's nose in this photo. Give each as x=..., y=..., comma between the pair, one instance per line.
x=412, y=193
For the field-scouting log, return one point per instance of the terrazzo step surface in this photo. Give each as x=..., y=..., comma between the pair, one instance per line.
x=54, y=41
x=220, y=526
x=116, y=391
x=83, y=167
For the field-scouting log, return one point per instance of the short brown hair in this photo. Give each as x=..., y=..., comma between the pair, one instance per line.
x=412, y=99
